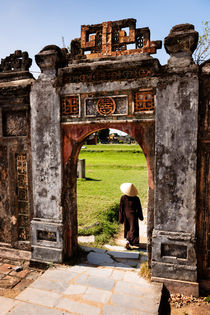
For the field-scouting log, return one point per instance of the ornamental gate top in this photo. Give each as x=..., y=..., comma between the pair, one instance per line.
x=19, y=61
x=111, y=39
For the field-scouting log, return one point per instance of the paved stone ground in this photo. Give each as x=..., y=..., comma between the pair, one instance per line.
x=108, y=287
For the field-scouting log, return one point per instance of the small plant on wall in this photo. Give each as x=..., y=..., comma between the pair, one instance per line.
x=202, y=51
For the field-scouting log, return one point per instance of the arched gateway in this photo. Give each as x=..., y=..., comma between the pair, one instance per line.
x=100, y=84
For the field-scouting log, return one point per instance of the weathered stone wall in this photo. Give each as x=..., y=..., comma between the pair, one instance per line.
x=15, y=159
x=203, y=180
x=175, y=186
x=174, y=253
x=5, y=219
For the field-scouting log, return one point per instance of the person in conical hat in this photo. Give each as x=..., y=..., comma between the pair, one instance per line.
x=129, y=213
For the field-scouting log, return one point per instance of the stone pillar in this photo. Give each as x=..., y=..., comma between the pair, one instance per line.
x=81, y=168
x=46, y=226
x=174, y=256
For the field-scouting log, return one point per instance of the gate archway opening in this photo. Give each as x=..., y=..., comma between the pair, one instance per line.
x=108, y=163
x=74, y=140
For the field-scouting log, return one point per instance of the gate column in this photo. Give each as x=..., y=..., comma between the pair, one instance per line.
x=47, y=227
x=174, y=255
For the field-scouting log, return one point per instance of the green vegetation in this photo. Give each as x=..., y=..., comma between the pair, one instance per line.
x=145, y=271
x=107, y=167
x=207, y=299
x=203, y=48
x=106, y=226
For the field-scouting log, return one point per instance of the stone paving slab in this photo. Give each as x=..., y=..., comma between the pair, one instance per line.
x=135, y=303
x=31, y=309
x=99, y=259
x=79, y=268
x=78, y=307
x=96, y=295
x=101, y=283
x=82, y=279
x=123, y=266
x=123, y=255
x=49, y=285
x=128, y=262
x=100, y=272
x=89, y=290
x=64, y=274
x=6, y=304
x=128, y=288
x=75, y=289
x=117, y=275
x=133, y=277
x=116, y=310
x=36, y=296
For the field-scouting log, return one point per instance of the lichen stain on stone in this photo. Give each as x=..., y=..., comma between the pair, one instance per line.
x=13, y=220
x=43, y=192
x=166, y=159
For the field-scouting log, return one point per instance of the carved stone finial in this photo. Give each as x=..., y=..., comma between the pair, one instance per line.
x=16, y=62
x=50, y=58
x=76, y=47
x=181, y=41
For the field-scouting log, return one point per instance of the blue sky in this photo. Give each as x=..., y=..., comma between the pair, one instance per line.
x=32, y=24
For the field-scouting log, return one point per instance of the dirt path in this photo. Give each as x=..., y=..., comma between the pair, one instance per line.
x=202, y=309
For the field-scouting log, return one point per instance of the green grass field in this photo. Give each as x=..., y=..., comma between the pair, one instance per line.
x=107, y=167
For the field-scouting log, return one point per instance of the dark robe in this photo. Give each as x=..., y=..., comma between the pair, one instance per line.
x=129, y=213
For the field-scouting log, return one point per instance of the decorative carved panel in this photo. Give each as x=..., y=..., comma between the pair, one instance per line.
x=112, y=38
x=14, y=123
x=77, y=76
x=22, y=197
x=143, y=101
x=70, y=106
x=105, y=106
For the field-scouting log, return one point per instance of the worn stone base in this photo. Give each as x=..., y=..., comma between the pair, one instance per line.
x=47, y=254
x=204, y=286
x=44, y=265
x=175, y=270
x=47, y=242
x=178, y=286
x=13, y=253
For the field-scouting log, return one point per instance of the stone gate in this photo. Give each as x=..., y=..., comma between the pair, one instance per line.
x=108, y=80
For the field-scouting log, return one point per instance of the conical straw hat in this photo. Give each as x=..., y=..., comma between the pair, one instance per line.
x=129, y=189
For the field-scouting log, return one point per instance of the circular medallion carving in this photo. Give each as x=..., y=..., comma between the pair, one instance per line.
x=106, y=106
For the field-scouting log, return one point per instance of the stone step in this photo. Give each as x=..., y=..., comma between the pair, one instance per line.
x=124, y=255
x=12, y=253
